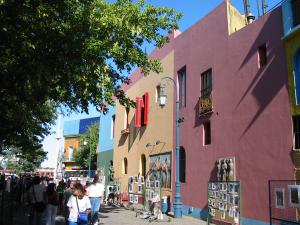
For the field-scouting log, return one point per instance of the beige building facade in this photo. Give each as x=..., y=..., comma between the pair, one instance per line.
x=138, y=149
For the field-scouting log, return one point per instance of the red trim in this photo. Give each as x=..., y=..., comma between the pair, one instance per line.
x=138, y=111
x=146, y=108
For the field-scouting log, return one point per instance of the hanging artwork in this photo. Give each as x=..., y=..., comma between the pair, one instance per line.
x=226, y=169
x=160, y=169
x=279, y=198
x=294, y=194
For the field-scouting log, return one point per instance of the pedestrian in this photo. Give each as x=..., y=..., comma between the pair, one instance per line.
x=37, y=194
x=8, y=185
x=95, y=193
x=66, y=195
x=60, y=191
x=78, y=204
x=52, y=203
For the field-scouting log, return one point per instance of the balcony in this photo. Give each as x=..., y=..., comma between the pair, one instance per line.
x=205, y=102
x=125, y=131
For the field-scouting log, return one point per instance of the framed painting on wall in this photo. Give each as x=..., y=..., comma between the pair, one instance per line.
x=279, y=198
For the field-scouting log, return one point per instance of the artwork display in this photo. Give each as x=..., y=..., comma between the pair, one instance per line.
x=160, y=169
x=294, y=194
x=226, y=169
x=224, y=201
x=136, y=190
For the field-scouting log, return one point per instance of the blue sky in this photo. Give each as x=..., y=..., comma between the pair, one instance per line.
x=192, y=10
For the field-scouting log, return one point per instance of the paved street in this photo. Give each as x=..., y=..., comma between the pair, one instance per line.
x=120, y=216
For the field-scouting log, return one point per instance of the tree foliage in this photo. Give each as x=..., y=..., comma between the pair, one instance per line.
x=70, y=53
x=19, y=160
x=88, y=142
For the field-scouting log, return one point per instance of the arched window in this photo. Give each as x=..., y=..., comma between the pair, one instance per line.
x=296, y=64
x=125, y=166
x=182, y=165
x=143, y=165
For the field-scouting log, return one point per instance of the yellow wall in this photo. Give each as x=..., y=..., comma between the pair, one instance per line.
x=74, y=142
x=236, y=20
x=160, y=126
x=292, y=43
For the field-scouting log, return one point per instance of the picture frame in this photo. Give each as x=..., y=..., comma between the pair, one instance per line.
x=294, y=195
x=130, y=188
x=148, y=184
x=211, y=211
x=131, y=198
x=223, y=215
x=130, y=180
x=157, y=184
x=136, y=199
x=139, y=188
x=224, y=197
x=236, y=200
x=231, y=199
x=230, y=212
x=279, y=198
x=230, y=187
x=213, y=186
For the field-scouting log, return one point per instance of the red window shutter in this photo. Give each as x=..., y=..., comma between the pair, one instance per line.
x=138, y=110
x=146, y=108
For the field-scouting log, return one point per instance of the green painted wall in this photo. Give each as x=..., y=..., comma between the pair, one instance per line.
x=292, y=43
x=103, y=160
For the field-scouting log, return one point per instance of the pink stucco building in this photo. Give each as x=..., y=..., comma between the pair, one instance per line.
x=242, y=70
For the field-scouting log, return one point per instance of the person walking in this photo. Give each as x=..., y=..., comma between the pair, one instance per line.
x=52, y=203
x=37, y=199
x=95, y=193
x=78, y=203
x=66, y=195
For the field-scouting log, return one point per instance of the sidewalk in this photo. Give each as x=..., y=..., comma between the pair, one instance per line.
x=121, y=216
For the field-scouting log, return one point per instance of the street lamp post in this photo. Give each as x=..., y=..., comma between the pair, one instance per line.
x=162, y=101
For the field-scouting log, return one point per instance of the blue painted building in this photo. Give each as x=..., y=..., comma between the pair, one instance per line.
x=106, y=142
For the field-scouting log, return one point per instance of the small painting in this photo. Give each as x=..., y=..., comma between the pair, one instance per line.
x=279, y=198
x=294, y=195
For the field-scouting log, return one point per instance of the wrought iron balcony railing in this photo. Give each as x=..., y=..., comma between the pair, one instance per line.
x=205, y=101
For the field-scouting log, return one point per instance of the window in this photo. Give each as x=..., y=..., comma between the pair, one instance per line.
x=296, y=129
x=262, y=55
x=182, y=165
x=205, y=103
x=207, y=133
x=296, y=12
x=142, y=110
x=125, y=166
x=157, y=93
x=296, y=64
x=143, y=165
x=126, y=118
x=112, y=128
x=182, y=87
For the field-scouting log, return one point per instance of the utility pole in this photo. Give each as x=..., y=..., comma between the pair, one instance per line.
x=264, y=7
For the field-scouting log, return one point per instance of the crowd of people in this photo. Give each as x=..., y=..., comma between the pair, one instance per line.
x=43, y=199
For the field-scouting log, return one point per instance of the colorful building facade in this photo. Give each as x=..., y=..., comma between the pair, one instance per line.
x=106, y=143
x=72, y=131
x=235, y=103
x=291, y=39
x=145, y=134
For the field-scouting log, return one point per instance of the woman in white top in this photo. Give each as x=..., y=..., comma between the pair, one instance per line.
x=84, y=204
x=95, y=193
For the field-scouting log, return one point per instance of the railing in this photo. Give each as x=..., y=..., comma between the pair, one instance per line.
x=205, y=101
